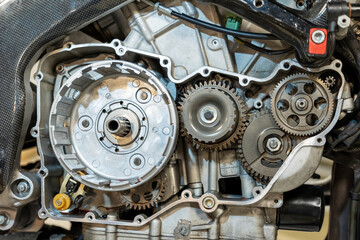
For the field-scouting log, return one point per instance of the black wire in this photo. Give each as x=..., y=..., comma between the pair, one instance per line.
x=217, y=28
x=264, y=50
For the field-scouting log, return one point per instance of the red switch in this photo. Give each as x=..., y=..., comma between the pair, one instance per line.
x=318, y=41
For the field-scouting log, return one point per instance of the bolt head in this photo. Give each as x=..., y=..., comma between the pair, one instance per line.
x=60, y=69
x=209, y=114
x=273, y=144
x=208, y=202
x=343, y=21
x=22, y=187
x=318, y=36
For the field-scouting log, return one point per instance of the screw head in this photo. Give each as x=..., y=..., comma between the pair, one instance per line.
x=273, y=144
x=318, y=36
x=209, y=202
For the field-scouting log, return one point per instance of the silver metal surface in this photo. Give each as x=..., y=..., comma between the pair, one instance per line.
x=263, y=147
x=158, y=33
x=302, y=177
x=164, y=57
x=226, y=115
x=318, y=36
x=102, y=92
x=343, y=23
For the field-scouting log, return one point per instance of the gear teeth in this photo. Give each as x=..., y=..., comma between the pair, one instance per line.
x=287, y=129
x=142, y=190
x=259, y=177
x=239, y=105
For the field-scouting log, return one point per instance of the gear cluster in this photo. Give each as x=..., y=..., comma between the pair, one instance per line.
x=301, y=105
x=213, y=116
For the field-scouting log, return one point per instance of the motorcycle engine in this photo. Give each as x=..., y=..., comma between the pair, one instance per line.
x=149, y=127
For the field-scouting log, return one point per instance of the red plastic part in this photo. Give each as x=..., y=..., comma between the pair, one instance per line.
x=316, y=48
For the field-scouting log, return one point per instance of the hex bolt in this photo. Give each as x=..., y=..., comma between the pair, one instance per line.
x=318, y=36
x=273, y=144
x=60, y=69
x=208, y=202
x=3, y=220
x=209, y=114
x=22, y=187
x=343, y=21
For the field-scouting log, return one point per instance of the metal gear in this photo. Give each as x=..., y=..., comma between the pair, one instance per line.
x=213, y=116
x=302, y=105
x=146, y=195
x=330, y=81
x=263, y=147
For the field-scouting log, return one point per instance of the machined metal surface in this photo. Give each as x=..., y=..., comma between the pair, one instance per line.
x=212, y=115
x=285, y=66
x=263, y=147
x=105, y=94
x=113, y=91
x=302, y=105
x=149, y=127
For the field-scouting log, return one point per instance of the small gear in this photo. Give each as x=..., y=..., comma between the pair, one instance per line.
x=213, y=116
x=302, y=105
x=330, y=81
x=263, y=147
x=146, y=195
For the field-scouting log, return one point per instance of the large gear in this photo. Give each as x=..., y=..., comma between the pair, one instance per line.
x=213, y=116
x=264, y=147
x=146, y=195
x=302, y=105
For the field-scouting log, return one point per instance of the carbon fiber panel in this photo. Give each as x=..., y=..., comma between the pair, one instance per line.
x=25, y=26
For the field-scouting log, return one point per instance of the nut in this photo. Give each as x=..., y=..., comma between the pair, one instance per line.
x=343, y=21
x=273, y=144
